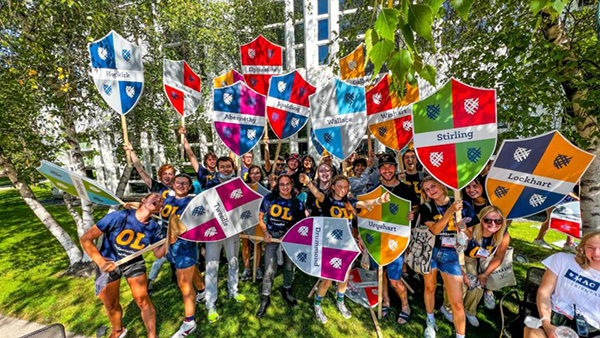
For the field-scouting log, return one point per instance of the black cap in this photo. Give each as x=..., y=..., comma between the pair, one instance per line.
x=387, y=159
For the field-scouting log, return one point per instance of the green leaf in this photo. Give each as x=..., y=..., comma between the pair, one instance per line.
x=462, y=7
x=420, y=19
x=380, y=53
x=537, y=5
x=428, y=73
x=409, y=37
x=435, y=5
x=371, y=39
x=400, y=61
x=559, y=5
x=386, y=23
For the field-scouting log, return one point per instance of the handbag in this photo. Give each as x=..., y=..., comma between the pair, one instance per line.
x=504, y=275
x=420, y=250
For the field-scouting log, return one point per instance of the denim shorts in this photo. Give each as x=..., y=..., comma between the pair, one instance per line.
x=446, y=261
x=183, y=254
x=394, y=269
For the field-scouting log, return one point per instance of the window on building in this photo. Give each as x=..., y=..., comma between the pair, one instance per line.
x=300, y=63
x=323, y=30
x=323, y=7
x=298, y=9
x=299, y=33
x=323, y=54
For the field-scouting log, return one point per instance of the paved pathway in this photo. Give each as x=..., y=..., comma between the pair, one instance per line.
x=15, y=328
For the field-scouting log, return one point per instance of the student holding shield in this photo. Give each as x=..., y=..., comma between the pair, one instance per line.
x=126, y=232
x=337, y=203
x=209, y=170
x=283, y=209
x=438, y=215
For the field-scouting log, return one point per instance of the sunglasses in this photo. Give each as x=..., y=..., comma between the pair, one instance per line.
x=279, y=164
x=498, y=221
x=285, y=184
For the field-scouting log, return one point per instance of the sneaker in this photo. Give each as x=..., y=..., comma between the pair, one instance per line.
x=259, y=274
x=264, y=304
x=287, y=296
x=430, y=330
x=246, y=275
x=472, y=320
x=150, y=287
x=200, y=296
x=341, y=306
x=542, y=243
x=213, y=316
x=320, y=315
x=488, y=300
x=238, y=297
x=185, y=329
x=446, y=313
x=570, y=248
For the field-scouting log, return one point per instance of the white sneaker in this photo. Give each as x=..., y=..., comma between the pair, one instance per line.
x=446, y=313
x=472, y=320
x=488, y=300
x=430, y=330
x=185, y=329
x=570, y=248
x=542, y=243
x=200, y=296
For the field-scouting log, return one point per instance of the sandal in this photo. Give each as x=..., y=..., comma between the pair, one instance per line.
x=403, y=316
x=385, y=311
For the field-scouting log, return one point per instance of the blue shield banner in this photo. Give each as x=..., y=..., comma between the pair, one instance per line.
x=339, y=117
x=534, y=174
x=117, y=71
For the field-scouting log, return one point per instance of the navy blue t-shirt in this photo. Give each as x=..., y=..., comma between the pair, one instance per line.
x=338, y=209
x=161, y=188
x=483, y=250
x=436, y=213
x=125, y=235
x=281, y=213
x=204, y=176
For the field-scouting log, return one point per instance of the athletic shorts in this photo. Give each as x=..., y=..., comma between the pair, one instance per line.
x=394, y=269
x=446, y=261
x=129, y=270
x=183, y=254
x=562, y=320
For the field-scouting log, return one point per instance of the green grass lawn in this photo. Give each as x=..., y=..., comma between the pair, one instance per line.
x=32, y=288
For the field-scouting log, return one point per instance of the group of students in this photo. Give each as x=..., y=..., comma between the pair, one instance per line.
x=305, y=189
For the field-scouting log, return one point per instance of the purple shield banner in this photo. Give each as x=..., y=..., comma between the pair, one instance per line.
x=322, y=247
x=221, y=212
x=239, y=116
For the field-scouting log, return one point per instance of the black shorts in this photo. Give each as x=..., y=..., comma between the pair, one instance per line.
x=129, y=270
x=562, y=320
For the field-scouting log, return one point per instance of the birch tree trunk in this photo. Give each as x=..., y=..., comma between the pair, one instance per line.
x=587, y=126
x=40, y=211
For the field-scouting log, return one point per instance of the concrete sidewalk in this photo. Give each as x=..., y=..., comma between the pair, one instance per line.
x=15, y=328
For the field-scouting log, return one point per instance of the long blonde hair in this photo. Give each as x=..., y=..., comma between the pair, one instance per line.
x=478, y=228
x=432, y=179
x=580, y=256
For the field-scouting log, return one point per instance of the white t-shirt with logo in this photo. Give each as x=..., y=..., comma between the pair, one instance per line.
x=575, y=286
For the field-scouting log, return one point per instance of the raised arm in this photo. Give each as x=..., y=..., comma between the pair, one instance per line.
x=138, y=165
x=304, y=179
x=267, y=154
x=368, y=204
x=188, y=149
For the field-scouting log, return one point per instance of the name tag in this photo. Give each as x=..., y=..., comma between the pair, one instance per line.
x=448, y=241
x=482, y=253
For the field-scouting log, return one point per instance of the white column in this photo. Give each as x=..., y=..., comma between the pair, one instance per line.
x=311, y=51
x=334, y=26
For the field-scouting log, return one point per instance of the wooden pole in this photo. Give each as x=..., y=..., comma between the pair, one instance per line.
x=379, y=292
x=277, y=151
x=401, y=165
x=182, y=136
x=126, y=139
x=255, y=262
x=376, y=322
x=458, y=216
x=314, y=289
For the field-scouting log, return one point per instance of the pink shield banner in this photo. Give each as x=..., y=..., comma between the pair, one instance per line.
x=322, y=247
x=261, y=59
x=221, y=212
x=239, y=116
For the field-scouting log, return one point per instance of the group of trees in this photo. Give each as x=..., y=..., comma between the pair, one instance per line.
x=541, y=55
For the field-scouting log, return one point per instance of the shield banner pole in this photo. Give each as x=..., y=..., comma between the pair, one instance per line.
x=182, y=136
x=126, y=139
x=376, y=322
x=314, y=289
x=379, y=291
x=255, y=262
x=461, y=256
x=277, y=151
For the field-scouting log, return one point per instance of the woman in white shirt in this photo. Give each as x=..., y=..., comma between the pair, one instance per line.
x=571, y=282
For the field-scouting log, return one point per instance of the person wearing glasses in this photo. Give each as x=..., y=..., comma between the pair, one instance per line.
x=486, y=239
x=282, y=209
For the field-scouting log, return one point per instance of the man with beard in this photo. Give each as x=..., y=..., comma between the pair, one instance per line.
x=293, y=162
